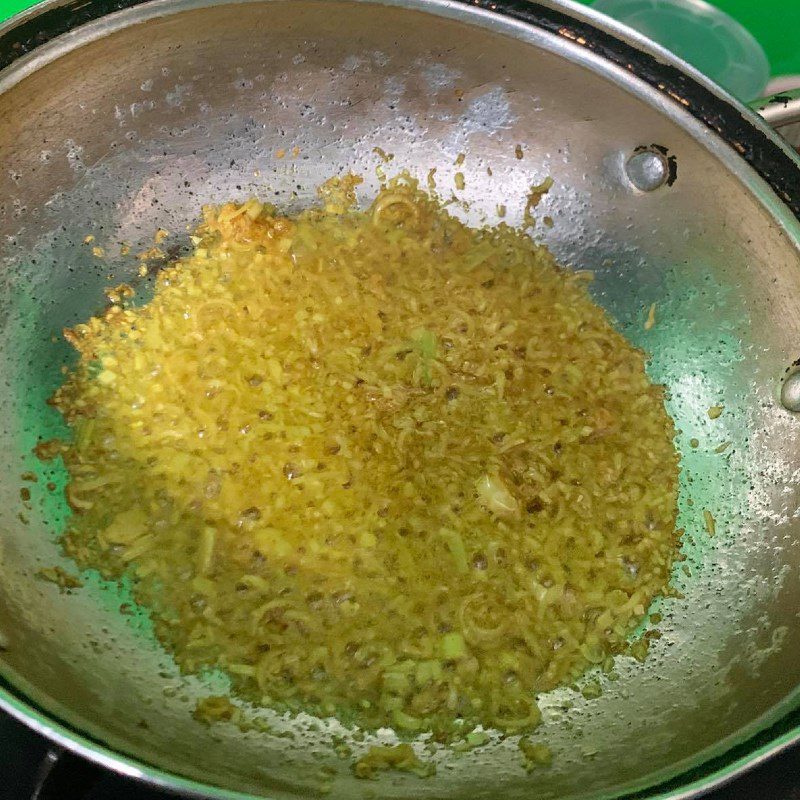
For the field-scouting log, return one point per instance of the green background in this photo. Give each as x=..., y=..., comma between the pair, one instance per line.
x=775, y=23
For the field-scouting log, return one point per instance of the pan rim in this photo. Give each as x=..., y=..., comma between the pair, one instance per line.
x=675, y=81
x=683, y=91
x=677, y=787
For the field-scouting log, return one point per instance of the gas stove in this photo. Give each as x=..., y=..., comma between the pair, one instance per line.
x=28, y=771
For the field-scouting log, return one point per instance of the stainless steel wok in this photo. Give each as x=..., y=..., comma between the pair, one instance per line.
x=118, y=118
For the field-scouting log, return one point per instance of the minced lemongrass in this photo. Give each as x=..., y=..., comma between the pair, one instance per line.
x=375, y=462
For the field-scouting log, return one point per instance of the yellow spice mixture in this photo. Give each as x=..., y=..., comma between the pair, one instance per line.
x=375, y=464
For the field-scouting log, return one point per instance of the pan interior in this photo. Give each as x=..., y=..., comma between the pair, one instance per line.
x=137, y=127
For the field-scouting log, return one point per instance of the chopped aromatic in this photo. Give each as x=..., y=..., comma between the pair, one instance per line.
x=363, y=462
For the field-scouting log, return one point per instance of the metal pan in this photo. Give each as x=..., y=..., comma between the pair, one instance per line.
x=118, y=118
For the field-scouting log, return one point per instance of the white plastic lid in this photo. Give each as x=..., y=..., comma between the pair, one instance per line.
x=699, y=33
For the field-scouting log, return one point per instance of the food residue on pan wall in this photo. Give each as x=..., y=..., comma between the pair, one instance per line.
x=397, y=757
x=535, y=195
x=651, y=317
x=59, y=576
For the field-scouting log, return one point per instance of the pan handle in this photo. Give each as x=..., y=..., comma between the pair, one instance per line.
x=779, y=110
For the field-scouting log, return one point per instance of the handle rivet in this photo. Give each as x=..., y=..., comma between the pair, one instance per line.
x=790, y=392
x=647, y=170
